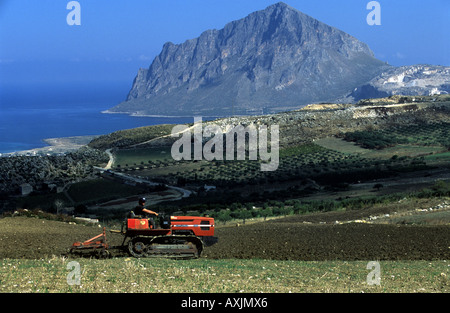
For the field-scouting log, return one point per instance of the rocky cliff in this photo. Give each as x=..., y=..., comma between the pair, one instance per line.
x=272, y=60
x=420, y=80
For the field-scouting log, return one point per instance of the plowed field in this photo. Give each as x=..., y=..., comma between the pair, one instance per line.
x=293, y=241
x=283, y=239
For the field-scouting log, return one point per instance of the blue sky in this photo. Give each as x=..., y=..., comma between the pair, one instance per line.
x=116, y=37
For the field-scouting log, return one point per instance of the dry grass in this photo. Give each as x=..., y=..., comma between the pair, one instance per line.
x=127, y=275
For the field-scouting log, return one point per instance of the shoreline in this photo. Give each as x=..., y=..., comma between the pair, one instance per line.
x=55, y=146
x=63, y=145
x=136, y=114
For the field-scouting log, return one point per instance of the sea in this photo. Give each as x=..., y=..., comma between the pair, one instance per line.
x=34, y=112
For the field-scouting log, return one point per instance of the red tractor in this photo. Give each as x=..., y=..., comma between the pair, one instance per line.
x=177, y=237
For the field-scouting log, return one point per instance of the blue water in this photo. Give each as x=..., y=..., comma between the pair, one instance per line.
x=29, y=114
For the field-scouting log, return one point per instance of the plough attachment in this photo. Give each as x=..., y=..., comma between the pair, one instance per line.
x=96, y=246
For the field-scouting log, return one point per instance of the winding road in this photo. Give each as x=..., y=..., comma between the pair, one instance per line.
x=111, y=159
x=184, y=192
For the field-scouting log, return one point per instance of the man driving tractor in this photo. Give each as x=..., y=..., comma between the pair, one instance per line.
x=141, y=210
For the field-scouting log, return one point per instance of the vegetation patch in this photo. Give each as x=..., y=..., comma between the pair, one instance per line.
x=125, y=138
x=141, y=157
x=423, y=134
x=102, y=190
x=373, y=140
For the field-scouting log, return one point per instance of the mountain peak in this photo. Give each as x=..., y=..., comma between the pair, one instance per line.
x=281, y=9
x=281, y=6
x=274, y=59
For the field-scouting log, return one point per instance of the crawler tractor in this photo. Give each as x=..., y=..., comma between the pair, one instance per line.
x=177, y=237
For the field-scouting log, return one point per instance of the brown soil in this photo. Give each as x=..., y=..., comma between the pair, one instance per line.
x=324, y=236
x=284, y=240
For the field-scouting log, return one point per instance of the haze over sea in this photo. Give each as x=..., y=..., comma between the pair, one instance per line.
x=31, y=113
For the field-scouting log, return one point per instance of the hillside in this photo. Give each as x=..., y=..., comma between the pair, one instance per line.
x=309, y=123
x=329, y=154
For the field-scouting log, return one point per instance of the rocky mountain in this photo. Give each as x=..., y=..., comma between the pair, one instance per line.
x=420, y=80
x=273, y=60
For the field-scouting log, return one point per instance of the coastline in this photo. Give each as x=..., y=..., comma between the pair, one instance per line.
x=137, y=114
x=62, y=145
x=56, y=146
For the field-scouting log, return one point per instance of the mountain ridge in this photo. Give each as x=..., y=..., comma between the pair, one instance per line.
x=273, y=60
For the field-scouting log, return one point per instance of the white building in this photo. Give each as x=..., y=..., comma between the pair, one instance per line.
x=26, y=189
